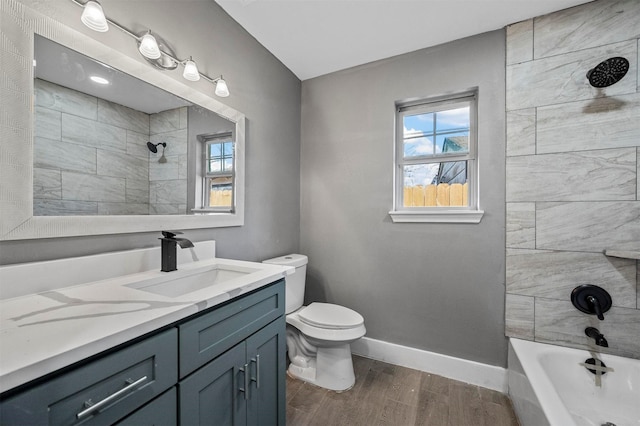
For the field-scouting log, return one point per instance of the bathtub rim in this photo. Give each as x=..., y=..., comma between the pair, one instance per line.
x=550, y=401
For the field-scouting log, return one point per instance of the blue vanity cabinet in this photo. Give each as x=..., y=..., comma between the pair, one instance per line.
x=101, y=391
x=244, y=385
x=266, y=357
x=225, y=366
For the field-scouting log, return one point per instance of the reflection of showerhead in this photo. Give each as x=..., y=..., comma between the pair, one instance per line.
x=153, y=147
x=608, y=72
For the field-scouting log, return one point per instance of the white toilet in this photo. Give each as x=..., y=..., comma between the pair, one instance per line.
x=318, y=335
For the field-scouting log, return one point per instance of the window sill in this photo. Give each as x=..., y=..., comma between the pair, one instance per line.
x=209, y=211
x=445, y=216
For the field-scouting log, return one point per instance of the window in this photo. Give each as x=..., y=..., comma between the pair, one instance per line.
x=436, y=160
x=218, y=172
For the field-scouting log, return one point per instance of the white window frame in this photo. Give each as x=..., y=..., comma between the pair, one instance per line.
x=458, y=214
x=205, y=141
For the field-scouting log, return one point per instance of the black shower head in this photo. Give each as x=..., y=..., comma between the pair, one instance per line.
x=608, y=72
x=153, y=147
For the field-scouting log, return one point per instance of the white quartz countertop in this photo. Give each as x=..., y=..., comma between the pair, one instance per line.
x=43, y=332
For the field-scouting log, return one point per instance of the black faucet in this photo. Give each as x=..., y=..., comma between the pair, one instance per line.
x=595, y=334
x=169, y=250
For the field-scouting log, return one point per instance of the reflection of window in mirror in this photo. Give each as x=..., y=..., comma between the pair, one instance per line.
x=218, y=171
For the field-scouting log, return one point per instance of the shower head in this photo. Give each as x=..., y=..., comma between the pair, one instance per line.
x=153, y=147
x=608, y=72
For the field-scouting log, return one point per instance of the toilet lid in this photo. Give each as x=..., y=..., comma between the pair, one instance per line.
x=327, y=315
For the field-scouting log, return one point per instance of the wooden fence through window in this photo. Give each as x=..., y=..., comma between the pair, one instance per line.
x=441, y=195
x=220, y=197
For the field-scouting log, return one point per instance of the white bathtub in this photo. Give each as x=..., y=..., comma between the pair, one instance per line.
x=548, y=386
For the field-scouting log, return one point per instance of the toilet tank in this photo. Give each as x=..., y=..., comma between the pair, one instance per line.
x=294, y=283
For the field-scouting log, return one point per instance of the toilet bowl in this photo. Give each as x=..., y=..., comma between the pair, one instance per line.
x=319, y=335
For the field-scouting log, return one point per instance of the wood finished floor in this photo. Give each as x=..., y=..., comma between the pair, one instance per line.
x=386, y=394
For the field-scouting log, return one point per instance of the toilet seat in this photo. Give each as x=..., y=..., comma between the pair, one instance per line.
x=327, y=315
x=347, y=326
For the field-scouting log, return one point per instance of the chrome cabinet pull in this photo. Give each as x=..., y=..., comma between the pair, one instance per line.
x=257, y=378
x=90, y=406
x=245, y=372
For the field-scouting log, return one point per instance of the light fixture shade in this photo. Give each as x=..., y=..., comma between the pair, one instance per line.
x=221, y=88
x=149, y=46
x=191, y=71
x=93, y=17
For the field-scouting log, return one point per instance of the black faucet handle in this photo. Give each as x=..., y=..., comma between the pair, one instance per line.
x=170, y=234
x=596, y=307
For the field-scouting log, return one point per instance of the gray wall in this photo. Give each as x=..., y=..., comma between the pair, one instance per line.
x=437, y=287
x=573, y=175
x=261, y=87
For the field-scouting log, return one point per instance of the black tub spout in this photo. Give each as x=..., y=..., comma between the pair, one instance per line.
x=595, y=334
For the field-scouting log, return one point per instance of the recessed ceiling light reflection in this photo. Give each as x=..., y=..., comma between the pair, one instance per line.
x=99, y=80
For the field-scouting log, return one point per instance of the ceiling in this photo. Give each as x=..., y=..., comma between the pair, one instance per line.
x=316, y=37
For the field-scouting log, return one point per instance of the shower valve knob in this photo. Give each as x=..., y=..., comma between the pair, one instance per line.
x=591, y=299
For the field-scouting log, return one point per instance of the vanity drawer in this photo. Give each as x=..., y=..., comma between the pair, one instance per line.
x=161, y=411
x=207, y=336
x=102, y=391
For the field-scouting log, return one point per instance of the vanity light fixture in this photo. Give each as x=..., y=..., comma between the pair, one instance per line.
x=221, y=88
x=148, y=46
x=151, y=47
x=93, y=17
x=191, y=70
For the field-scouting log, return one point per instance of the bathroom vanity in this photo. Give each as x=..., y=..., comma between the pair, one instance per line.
x=212, y=355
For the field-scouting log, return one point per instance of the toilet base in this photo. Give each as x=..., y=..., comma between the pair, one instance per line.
x=331, y=368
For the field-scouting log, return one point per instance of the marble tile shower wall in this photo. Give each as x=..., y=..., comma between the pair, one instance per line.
x=573, y=175
x=168, y=181
x=91, y=158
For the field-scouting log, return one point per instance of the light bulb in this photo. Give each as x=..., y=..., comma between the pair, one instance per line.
x=93, y=17
x=98, y=79
x=149, y=46
x=191, y=71
x=221, y=88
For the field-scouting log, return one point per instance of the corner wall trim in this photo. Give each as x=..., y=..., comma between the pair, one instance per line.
x=484, y=375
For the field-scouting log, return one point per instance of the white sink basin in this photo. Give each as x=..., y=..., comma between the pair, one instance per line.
x=182, y=282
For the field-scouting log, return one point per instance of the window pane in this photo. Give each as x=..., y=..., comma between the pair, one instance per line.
x=220, y=157
x=454, y=142
x=228, y=148
x=452, y=172
x=420, y=174
x=418, y=147
x=214, y=150
x=418, y=125
x=228, y=164
x=453, y=119
x=215, y=165
x=220, y=192
x=436, y=185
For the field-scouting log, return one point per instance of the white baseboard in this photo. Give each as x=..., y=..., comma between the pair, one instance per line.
x=486, y=376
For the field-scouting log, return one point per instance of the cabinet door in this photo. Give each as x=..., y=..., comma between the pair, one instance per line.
x=216, y=394
x=266, y=356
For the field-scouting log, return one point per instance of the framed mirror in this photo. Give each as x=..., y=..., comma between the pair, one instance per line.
x=85, y=162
